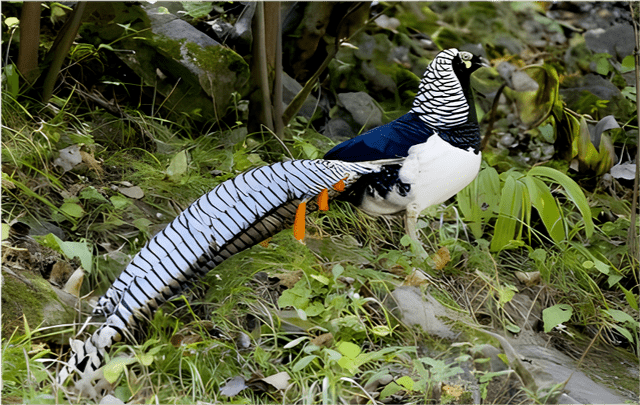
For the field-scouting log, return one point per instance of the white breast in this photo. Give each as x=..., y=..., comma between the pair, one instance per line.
x=436, y=171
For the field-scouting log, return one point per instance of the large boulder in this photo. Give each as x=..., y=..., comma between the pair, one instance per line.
x=196, y=75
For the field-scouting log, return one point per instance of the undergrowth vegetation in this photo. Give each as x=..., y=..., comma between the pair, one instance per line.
x=320, y=322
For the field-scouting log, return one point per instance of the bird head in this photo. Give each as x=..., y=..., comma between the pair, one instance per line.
x=444, y=98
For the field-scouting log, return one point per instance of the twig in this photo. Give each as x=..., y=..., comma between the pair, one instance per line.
x=263, y=76
x=302, y=95
x=492, y=117
x=632, y=235
x=61, y=51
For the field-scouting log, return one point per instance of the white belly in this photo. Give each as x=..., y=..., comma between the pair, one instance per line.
x=436, y=172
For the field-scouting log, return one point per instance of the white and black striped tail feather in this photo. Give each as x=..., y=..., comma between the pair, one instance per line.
x=235, y=215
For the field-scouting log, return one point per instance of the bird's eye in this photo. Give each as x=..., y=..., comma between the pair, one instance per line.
x=466, y=56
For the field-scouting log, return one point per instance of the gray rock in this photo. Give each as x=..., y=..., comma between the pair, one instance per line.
x=196, y=74
x=363, y=109
x=338, y=130
x=617, y=40
x=423, y=310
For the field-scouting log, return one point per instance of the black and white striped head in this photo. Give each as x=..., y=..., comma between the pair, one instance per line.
x=444, y=97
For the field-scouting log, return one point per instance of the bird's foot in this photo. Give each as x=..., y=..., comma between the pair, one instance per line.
x=411, y=220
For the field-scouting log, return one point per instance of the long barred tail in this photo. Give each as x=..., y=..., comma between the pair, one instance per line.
x=234, y=216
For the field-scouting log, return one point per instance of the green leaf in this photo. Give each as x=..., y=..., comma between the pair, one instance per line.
x=631, y=298
x=12, y=79
x=72, y=209
x=5, y=231
x=178, y=166
x=555, y=315
x=628, y=64
x=546, y=205
x=603, y=66
x=510, y=206
x=381, y=330
x=314, y=309
x=406, y=382
x=624, y=332
x=621, y=317
x=535, y=106
x=391, y=389
x=349, y=349
x=71, y=250
x=478, y=201
x=505, y=294
x=91, y=194
x=573, y=190
x=11, y=22
x=197, y=9
x=303, y=362
x=114, y=368
x=337, y=271
x=119, y=201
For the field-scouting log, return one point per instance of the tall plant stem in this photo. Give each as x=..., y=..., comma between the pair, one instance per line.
x=633, y=229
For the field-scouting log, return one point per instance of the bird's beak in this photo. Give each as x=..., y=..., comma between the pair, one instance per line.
x=484, y=62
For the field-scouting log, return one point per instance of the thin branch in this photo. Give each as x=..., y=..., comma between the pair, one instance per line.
x=492, y=117
x=302, y=95
x=60, y=52
x=277, y=80
x=263, y=74
x=632, y=235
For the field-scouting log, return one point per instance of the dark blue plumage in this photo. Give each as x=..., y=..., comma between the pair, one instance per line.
x=394, y=139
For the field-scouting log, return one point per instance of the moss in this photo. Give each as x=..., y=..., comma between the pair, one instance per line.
x=31, y=297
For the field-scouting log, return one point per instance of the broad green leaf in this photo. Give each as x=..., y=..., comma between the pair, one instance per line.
x=114, y=368
x=628, y=64
x=178, y=166
x=119, y=201
x=603, y=66
x=197, y=9
x=72, y=209
x=91, y=194
x=11, y=22
x=381, y=330
x=406, y=382
x=349, y=349
x=624, y=332
x=546, y=205
x=631, y=298
x=314, y=309
x=71, y=250
x=478, y=201
x=587, y=153
x=613, y=279
x=621, y=316
x=303, y=362
x=555, y=315
x=535, y=106
x=573, y=190
x=391, y=389
x=510, y=205
x=337, y=271
x=319, y=277
x=12, y=78
x=5, y=231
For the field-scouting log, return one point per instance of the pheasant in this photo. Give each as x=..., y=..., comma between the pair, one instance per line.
x=420, y=159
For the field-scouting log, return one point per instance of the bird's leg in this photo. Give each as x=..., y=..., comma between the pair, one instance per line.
x=411, y=220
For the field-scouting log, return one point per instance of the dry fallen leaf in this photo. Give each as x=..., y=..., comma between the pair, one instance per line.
x=132, y=192
x=441, y=258
x=233, y=386
x=69, y=158
x=322, y=340
x=280, y=381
